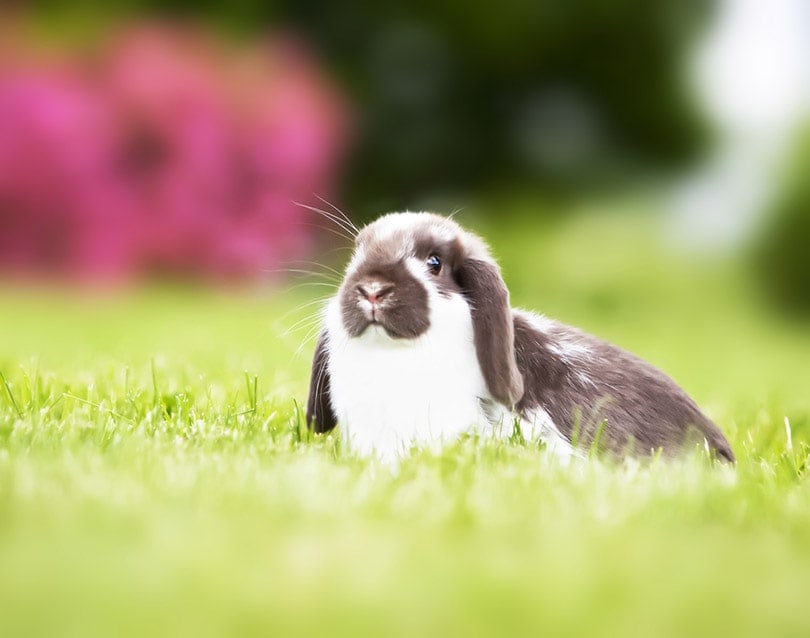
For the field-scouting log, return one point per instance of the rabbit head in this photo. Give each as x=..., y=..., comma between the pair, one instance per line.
x=412, y=270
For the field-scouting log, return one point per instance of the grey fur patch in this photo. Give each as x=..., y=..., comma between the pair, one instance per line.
x=451, y=253
x=492, y=328
x=320, y=415
x=612, y=396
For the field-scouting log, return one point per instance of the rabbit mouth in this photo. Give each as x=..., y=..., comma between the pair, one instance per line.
x=401, y=322
x=377, y=325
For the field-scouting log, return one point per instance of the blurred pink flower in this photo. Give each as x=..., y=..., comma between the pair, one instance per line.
x=174, y=154
x=58, y=206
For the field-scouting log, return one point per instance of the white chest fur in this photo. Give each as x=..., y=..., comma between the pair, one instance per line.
x=392, y=394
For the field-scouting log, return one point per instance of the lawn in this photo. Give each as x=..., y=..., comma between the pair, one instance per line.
x=155, y=477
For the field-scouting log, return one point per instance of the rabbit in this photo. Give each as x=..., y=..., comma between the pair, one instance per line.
x=420, y=345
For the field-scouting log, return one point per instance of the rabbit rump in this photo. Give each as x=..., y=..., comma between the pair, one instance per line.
x=420, y=345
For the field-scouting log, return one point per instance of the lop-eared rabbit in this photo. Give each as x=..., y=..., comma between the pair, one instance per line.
x=420, y=344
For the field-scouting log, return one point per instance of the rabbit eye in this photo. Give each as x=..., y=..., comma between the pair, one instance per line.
x=434, y=264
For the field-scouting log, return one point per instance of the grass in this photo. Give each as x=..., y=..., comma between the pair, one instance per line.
x=155, y=478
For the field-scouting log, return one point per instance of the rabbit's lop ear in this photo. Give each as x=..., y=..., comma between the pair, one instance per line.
x=320, y=416
x=493, y=328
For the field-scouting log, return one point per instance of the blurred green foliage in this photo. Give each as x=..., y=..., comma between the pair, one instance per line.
x=781, y=255
x=465, y=95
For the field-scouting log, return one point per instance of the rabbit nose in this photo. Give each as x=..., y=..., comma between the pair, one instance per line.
x=374, y=291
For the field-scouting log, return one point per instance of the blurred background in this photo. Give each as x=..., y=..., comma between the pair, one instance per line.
x=173, y=140
x=640, y=168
